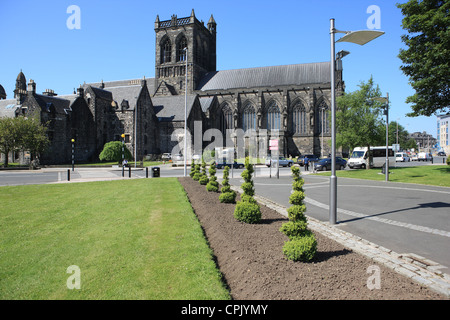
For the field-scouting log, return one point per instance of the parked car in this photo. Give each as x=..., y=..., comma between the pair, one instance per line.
x=236, y=165
x=441, y=154
x=414, y=157
x=424, y=156
x=311, y=158
x=283, y=162
x=166, y=157
x=402, y=157
x=325, y=164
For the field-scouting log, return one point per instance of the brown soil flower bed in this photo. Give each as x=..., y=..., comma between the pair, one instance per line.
x=251, y=260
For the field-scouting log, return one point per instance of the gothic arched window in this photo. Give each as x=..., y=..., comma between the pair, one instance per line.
x=166, y=51
x=273, y=117
x=249, y=118
x=299, y=119
x=226, y=118
x=323, y=121
x=181, y=53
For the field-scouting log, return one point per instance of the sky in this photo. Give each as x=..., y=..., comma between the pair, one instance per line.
x=60, y=48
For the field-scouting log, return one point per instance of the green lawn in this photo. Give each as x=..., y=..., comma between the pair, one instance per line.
x=132, y=239
x=436, y=175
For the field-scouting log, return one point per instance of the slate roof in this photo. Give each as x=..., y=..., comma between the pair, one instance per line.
x=129, y=93
x=62, y=104
x=8, y=108
x=274, y=76
x=171, y=108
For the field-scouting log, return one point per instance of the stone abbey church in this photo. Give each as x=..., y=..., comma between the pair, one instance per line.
x=291, y=100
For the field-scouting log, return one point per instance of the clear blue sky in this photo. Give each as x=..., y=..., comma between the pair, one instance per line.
x=117, y=41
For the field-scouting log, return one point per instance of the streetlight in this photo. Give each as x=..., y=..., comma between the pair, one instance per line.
x=385, y=101
x=185, y=113
x=359, y=37
x=123, y=151
x=73, y=154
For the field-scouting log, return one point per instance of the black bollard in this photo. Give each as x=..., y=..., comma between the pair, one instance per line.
x=146, y=172
x=123, y=172
x=68, y=175
x=129, y=172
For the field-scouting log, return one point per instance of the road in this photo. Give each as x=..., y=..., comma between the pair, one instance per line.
x=405, y=218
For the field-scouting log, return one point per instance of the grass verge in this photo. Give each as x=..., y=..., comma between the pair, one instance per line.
x=436, y=175
x=132, y=239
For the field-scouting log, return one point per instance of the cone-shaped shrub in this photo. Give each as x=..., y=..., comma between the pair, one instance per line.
x=247, y=210
x=197, y=173
x=203, y=178
x=227, y=195
x=193, y=169
x=212, y=185
x=302, y=245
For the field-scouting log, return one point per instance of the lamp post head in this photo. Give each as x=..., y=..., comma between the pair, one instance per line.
x=360, y=37
x=73, y=140
x=123, y=135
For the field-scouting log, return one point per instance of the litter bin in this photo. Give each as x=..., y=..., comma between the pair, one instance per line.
x=155, y=172
x=383, y=169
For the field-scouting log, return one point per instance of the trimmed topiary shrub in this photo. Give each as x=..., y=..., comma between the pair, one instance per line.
x=227, y=195
x=203, y=177
x=193, y=169
x=197, y=173
x=247, y=210
x=301, y=248
x=302, y=245
x=212, y=185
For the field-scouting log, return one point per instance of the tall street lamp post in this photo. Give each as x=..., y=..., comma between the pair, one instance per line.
x=185, y=114
x=359, y=37
x=385, y=101
x=123, y=152
x=73, y=154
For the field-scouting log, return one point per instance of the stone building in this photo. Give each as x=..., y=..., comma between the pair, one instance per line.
x=288, y=102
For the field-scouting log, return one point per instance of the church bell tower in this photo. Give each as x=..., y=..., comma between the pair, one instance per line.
x=172, y=37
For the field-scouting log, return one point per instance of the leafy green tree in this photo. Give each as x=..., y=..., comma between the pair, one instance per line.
x=34, y=136
x=20, y=134
x=359, y=118
x=426, y=61
x=8, y=137
x=112, y=151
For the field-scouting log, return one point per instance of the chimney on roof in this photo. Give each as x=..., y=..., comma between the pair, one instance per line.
x=49, y=93
x=80, y=91
x=32, y=87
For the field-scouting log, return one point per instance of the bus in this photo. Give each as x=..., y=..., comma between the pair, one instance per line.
x=360, y=157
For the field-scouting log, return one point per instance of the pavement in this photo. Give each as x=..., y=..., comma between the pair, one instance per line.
x=402, y=226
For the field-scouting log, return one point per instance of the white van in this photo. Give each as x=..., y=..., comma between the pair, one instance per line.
x=402, y=157
x=360, y=157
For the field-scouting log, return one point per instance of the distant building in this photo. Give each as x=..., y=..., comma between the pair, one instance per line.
x=442, y=132
x=290, y=102
x=424, y=141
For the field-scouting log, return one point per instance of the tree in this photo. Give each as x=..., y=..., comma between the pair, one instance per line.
x=22, y=133
x=112, y=151
x=359, y=118
x=9, y=137
x=34, y=136
x=426, y=60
